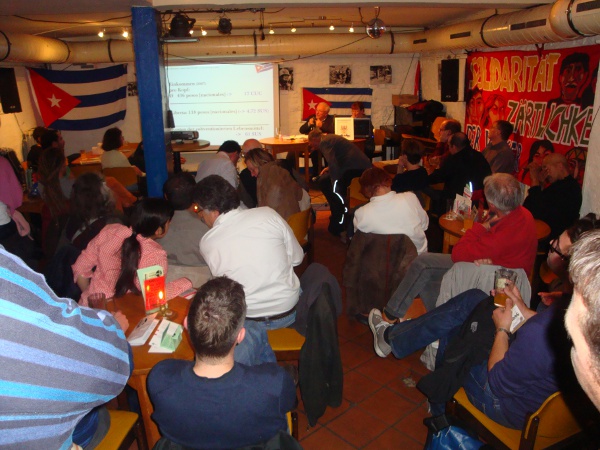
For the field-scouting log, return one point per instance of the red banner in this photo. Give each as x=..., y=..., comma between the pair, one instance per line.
x=546, y=95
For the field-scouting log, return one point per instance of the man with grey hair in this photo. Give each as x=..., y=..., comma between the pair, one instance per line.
x=506, y=238
x=320, y=120
x=583, y=316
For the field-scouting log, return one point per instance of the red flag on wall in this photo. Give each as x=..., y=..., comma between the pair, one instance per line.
x=310, y=102
x=52, y=101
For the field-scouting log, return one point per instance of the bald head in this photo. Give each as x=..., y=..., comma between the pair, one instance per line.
x=250, y=144
x=555, y=167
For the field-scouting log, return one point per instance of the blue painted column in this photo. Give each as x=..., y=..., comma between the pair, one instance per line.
x=152, y=91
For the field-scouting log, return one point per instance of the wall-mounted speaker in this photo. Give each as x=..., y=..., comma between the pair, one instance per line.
x=9, y=93
x=450, y=80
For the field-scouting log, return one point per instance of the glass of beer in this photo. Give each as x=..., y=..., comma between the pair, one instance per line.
x=502, y=278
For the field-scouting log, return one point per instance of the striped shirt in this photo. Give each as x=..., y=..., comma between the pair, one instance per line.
x=57, y=360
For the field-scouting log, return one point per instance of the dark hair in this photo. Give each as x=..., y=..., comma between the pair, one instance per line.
x=230, y=147
x=178, y=190
x=412, y=149
x=91, y=198
x=371, y=179
x=214, y=193
x=38, y=132
x=48, y=138
x=216, y=316
x=574, y=58
x=51, y=162
x=537, y=144
x=452, y=125
x=505, y=127
x=587, y=223
x=358, y=105
x=146, y=217
x=112, y=139
x=459, y=140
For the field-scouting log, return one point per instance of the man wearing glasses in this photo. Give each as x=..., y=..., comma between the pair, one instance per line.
x=321, y=120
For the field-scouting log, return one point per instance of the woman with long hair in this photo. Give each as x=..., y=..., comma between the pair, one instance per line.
x=275, y=186
x=109, y=263
x=112, y=141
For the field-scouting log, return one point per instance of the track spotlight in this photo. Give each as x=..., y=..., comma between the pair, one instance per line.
x=351, y=29
x=271, y=31
x=181, y=25
x=125, y=34
x=224, y=26
x=203, y=31
x=331, y=27
x=101, y=33
x=293, y=30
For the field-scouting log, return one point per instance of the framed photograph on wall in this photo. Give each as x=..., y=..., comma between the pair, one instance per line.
x=381, y=74
x=286, y=78
x=340, y=75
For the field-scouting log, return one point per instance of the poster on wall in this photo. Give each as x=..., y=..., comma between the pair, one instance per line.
x=286, y=78
x=340, y=75
x=545, y=95
x=380, y=74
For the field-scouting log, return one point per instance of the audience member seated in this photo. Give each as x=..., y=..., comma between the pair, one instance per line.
x=462, y=166
x=246, y=178
x=448, y=128
x=54, y=353
x=182, y=242
x=358, y=112
x=554, y=196
x=389, y=212
x=497, y=153
x=111, y=157
x=538, y=151
x=109, y=263
x=507, y=238
x=276, y=186
x=92, y=206
x=36, y=149
x=345, y=161
x=320, y=120
x=214, y=401
x=256, y=248
x=138, y=159
x=411, y=175
x=223, y=164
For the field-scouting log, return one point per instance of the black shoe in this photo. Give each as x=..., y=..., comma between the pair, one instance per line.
x=362, y=318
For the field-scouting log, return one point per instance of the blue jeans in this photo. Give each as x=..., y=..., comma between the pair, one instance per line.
x=255, y=348
x=481, y=396
x=423, y=278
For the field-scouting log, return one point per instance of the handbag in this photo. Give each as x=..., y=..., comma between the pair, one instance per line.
x=444, y=433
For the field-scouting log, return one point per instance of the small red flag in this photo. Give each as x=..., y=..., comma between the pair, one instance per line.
x=310, y=102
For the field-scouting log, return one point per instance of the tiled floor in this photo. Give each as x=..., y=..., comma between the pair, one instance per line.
x=381, y=408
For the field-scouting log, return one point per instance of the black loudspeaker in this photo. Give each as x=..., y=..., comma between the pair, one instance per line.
x=450, y=80
x=9, y=93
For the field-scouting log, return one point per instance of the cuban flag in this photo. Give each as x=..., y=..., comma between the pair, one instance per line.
x=340, y=100
x=77, y=100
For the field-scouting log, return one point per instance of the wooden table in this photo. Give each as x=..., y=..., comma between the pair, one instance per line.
x=183, y=148
x=31, y=205
x=276, y=145
x=453, y=231
x=133, y=307
x=90, y=162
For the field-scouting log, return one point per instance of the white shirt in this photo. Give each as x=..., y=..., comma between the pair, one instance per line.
x=394, y=213
x=113, y=158
x=219, y=165
x=258, y=249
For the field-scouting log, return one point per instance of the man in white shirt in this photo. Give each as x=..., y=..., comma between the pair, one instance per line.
x=258, y=249
x=223, y=164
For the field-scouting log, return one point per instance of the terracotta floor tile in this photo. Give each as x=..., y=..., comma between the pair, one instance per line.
x=354, y=355
x=357, y=427
x=332, y=413
x=357, y=387
x=304, y=429
x=412, y=424
x=415, y=363
x=394, y=440
x=383, y=370
x=387, y=406
x=365, y=339
x=411, y=393
x=324, y=439
x=349, y=328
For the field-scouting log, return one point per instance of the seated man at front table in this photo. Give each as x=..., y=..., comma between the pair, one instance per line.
x=215, y=402
x=182, y=242
x=59, y=362
x=223, y=164
x=258, y=249
x=321, y=120
x=497, y=152
x=345, y=161
x=507, y=238
x=554, y=196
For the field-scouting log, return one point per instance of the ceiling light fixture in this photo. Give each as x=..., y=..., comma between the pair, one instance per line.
x=375, y=28
x=101, y=33
x=271, y=31
x=203, y=31
x=293, y=30
x=331, y=27
x=224, y=26
x=181, y=25
x=125, y=34
x=351, y=29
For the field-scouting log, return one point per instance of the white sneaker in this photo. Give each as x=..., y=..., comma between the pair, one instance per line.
x=378, y=327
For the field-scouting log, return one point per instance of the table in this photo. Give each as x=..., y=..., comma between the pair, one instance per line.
x=183, y=148
x=276, y=145
x=133, y=307
x=453, y=231
x=90, y=162
x=31, y=205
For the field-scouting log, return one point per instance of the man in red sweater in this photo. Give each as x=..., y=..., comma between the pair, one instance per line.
x=508, y=238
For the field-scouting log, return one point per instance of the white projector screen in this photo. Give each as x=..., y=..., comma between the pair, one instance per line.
x=224, y=101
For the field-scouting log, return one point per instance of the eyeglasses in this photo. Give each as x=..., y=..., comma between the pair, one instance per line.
x=554, y=249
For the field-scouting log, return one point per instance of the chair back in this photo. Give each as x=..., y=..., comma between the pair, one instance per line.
x=556, y=422
x=355, y=198
x=379, y=136
x=300, y=223
x=125, y=175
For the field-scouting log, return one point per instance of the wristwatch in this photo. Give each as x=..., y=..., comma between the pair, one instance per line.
x=508, y=333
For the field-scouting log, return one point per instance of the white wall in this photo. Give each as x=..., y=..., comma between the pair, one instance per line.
x=13, y=126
